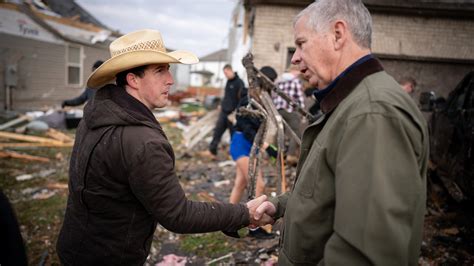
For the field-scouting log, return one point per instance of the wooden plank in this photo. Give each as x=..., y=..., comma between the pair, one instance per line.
x=14, y=122
x=58, y=135
x=204, y=131
x=33, y=145
x=210, y=117
x=28, y=138
x=206, y=197
x=16, y=155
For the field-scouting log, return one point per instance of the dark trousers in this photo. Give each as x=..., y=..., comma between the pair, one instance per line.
x=221, y=125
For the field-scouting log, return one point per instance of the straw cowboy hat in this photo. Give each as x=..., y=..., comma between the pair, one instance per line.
x=143, y=47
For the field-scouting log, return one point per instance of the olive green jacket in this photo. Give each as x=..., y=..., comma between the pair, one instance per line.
x=360, y=192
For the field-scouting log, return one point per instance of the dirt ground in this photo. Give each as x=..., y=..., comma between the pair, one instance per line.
x=40, y=202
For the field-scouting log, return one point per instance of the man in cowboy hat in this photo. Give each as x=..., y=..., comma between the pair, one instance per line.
x=122, y=177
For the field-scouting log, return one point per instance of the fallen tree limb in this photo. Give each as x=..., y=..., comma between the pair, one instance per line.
x=268, y=85
x=292, y=133
x=278, y=121
x=262, y=96
x=257, y=145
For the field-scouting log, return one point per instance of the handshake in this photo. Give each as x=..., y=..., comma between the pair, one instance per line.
x=261, y=212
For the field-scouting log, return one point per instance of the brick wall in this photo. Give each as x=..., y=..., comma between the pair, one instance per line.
x=273, y=35
x=424, y=37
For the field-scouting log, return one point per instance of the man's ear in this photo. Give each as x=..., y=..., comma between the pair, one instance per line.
x=340, y=34
x=132, y=80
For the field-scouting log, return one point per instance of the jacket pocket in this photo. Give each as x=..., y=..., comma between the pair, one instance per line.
x=305, y=184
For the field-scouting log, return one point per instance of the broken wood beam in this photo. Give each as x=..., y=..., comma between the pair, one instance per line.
x=16, y=155
x=14, y=122
x=58, y=135
x=32, y=145
x=28, y=138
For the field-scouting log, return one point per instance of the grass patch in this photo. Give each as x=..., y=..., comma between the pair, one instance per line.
x=41, y=212
x=206, y=245
x=173, y=133
x=191, y=107
x=40, y=222
x=40, y=219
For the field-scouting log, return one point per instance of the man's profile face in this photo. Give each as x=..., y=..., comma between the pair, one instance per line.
x=154, y=86
x=228, y=73
x=407, y=87
x=313, y=55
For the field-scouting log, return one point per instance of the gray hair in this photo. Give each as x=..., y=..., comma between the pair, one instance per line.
x=322, y=13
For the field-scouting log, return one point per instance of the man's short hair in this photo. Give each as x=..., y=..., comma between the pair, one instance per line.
x=227, y=66
x=97, y=64
x=410, y=80
x=121, y=78
x=322, y=13
x=269, y=72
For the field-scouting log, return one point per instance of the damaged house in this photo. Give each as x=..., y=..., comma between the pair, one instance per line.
x=429, y=41
x=207, y=77
x=47, y=51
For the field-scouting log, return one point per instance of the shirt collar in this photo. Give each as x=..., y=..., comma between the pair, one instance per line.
x=348, y=83
x=320, y=94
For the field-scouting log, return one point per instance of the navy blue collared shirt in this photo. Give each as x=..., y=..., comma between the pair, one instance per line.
x=320, y=94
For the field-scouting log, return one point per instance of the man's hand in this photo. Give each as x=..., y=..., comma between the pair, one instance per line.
x=264, y=209
x=262, y=218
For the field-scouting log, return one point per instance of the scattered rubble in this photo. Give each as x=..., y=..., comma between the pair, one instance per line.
x=448, y=237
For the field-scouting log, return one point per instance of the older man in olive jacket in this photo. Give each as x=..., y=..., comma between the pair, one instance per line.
x=359, y=196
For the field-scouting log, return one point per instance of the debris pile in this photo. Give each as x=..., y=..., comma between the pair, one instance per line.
x=37, y=187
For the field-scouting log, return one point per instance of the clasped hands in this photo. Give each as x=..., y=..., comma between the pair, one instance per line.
x=261, y=212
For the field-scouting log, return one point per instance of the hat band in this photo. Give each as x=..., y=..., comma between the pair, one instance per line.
x=156, y=45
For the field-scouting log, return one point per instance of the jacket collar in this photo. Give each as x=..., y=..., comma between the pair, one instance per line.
x=112, y=105
x=132, y=106
x=348, y=82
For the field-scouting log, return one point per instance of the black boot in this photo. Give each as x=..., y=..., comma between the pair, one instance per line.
x=259, y=233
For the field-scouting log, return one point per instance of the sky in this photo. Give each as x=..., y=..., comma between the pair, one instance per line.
x=199, y=26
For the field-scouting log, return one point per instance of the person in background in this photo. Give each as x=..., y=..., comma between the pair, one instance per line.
x=122, y=179
x=245, y=129
x=360, y=192
x=12, y=248
x=408, y=85
x=292, y=86
x=86, y=95
x=233, y=89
